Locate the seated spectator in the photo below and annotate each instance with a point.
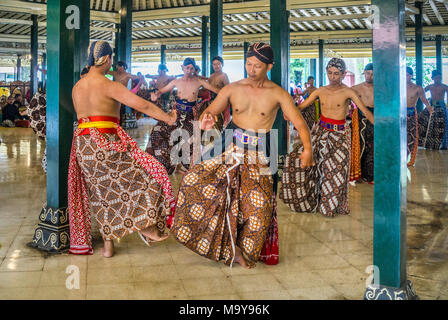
(12, 117)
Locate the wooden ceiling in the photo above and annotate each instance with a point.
(177, 23)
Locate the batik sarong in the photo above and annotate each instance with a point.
(366, 146)
(355, 153)
(412, 134)
(431, 127)
(126, 189)
(323, 187)
(161, 143)
(37, 110)
(229, 200)
(445, 135)
(311, 114)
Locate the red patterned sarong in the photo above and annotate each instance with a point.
(111, 152)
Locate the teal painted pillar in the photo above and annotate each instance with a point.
(163, 54)
(68, 26)
(321, 63)
(439, 55)
(280, 71)
(128, 119)
(125, 34)
(419, 49)
(205, 49)
(44, 67)
(246, 46)
(19, 68)
(216, 12)
(116, 39)
(312, 71)
(34, 56)
(389, 233)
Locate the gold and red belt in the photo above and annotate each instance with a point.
(104, 124)
(331, 124)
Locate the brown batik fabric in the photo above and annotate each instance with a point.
(123, 196)
(431, 128)
(323, 187)
(309, 115)
(37, 110)
(160, 144)
(412, 135)
(214, 191)
(366, 148)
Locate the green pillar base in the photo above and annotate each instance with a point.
(388, 293)
(52, 233)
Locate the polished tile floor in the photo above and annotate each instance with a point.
(320, 258)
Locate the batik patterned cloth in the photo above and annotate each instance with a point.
(126, 189)
(445, 135)
(355, 154)
(229, 200)
(366, 146)
(431, 128)
(160, 144)
(309, 115)
(412, 134)
(323, 187)
(37, 110)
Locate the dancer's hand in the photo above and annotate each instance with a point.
(173, 118)
(208, 121)
(306, 158)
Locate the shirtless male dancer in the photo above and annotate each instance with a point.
(219, 79)
(160, 144)
(362, 130)
(126, 189)
(309, 113)
(162, 80)
(434, 135)
(226, 206)
(324, 187)
(413, 93)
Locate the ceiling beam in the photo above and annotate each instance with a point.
(41, 9)
(436, 12)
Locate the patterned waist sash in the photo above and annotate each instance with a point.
(411, 111)
(185, 106)
(78, 200)
(331, 124)
(246, 138)
(102, 123)
(438, 103)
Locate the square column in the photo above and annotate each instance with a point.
(68, 29)
(216, 12)
(389, 233)
(280, 71)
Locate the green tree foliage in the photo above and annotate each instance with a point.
(427, 69)
(298, 70)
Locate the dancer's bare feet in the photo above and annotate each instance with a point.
(239, 258)
(153, 234)
(108, 250)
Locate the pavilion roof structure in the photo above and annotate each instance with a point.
(344, 25)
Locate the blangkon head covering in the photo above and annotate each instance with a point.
(262, 52)
(337, 63)
(98, 52)
(163, 67)
(368, 66)
(189, 61)
(435, 73)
